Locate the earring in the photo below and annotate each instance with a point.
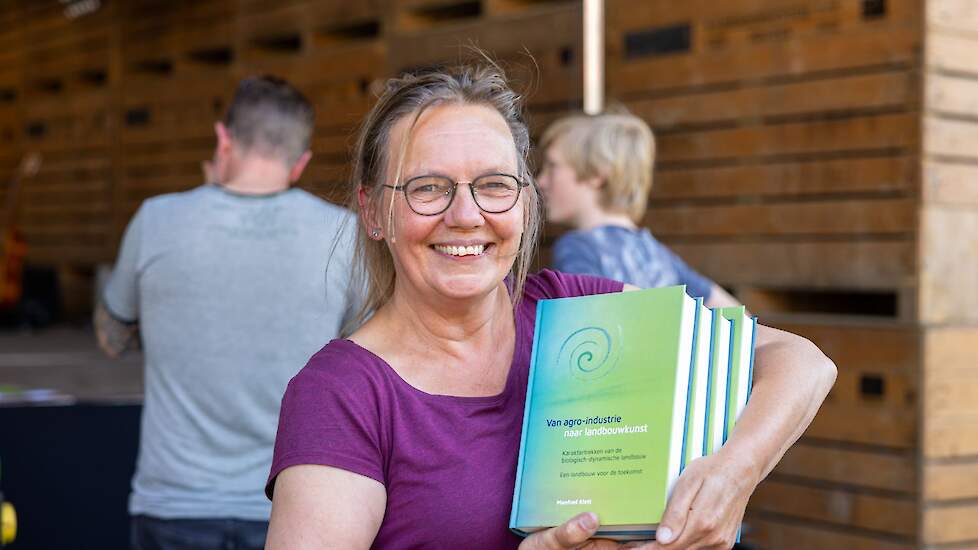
(375, 234)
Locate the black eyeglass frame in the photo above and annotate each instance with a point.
(520, 184)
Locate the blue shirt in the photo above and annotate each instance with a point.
(631, 256)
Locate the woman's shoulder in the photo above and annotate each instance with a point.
(340, 365)
(547, 284)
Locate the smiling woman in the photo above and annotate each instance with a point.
(406, 434)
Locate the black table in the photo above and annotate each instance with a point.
(67, 471)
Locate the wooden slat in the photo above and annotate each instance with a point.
(950, 371)
(894, 46)
(944, 481)
(508, 38)
(951, 94)
(770, 534)
(850, 414)
(950, 416)
(885, 514)
(851, 467)
(167, 154)
(86, 253)
(332, 144)
(168, 132)
(834, 177)
(143, 21)
(944, 137)
(950, 391)
(950, 523)
(950, 52)
(947, 266)
(952, 14)
(950, 184)
(754, 15)
(877, 217)
(865, 423)
(798, 138)
(859, 93)
(897, 346)
(854, 265)
(951, 435)
(50, 234)
(308, 12)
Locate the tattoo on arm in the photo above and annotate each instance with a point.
(114, 336)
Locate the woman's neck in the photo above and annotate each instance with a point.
(451, 326)
(461, 350)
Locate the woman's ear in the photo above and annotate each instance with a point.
(368, 211)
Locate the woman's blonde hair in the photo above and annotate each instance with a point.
(616, 147)
(411, 95)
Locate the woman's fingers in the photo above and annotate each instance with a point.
(570, 534)
(675, 517)
(711, 517)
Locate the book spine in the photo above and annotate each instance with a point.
(681, 389)
(730, 381)
(689, 384)
(753, 342)
(514, 515)
(709, 384)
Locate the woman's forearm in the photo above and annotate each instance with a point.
(791, 379)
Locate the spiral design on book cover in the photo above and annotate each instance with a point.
(590, 352)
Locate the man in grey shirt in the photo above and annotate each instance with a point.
(232, 286)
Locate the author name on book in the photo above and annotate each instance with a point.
(573, 501)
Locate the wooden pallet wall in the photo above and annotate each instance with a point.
(66, 114)
(948, 259)
(11, 93)
(817, 157)
(122, 101)
(788, 135)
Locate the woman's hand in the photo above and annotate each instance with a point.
(704, 512)
(707, 505)
(572, 534)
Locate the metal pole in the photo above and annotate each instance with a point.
(593, 56)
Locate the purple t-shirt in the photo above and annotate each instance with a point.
(448, 463)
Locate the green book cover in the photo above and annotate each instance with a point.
(699, 378)
(741, 364)
(604, 423)
(717, 384)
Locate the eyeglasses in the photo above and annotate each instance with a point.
(432, 195)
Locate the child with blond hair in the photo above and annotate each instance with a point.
(596, 177)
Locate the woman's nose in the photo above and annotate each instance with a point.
(464, 211)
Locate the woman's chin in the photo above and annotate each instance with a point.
(466, 287)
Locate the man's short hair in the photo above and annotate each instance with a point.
(617, 147)
(269, 116)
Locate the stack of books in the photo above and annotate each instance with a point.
(624, 391)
